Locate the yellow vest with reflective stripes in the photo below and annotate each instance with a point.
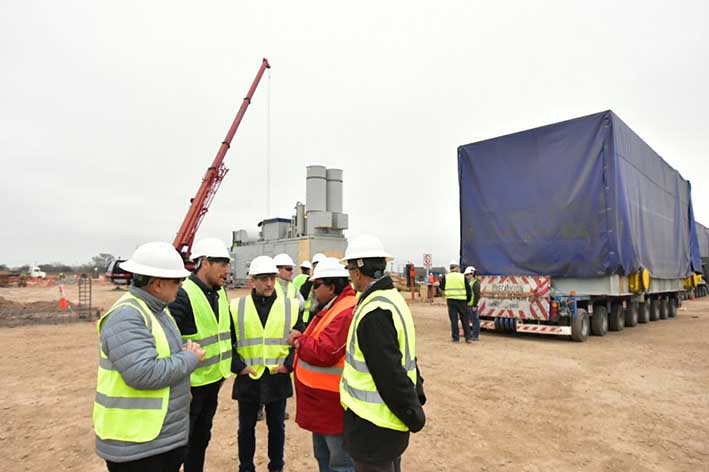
(455, 286)
(299, 280)
(358, 391)
(472, 293)
(263, 347)
(288, 291)
(214, 338)
(121, 412)
(308, 304)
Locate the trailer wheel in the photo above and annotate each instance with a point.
(631, 315)
(654, 309)
(672, 309)
(644, 312)
(616, 321)
(580, 326)
(599, 321)
(664, 308)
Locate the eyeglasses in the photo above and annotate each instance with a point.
(351, 268)
(289, 269)
(317, 284)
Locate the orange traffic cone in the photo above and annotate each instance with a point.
(63, 303)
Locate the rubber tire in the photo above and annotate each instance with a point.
(580, 326)
(644, 312)
(672, 313)
(599, 321)
(654, 309)
(616, 321)
(631, 315)
(664, 308)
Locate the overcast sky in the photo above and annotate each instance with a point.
(110, 112)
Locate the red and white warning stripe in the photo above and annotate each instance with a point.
(532, 328)
(524, 297)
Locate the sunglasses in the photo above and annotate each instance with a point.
(317, 284)
(288, 269)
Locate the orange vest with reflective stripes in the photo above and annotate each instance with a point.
(324, 378)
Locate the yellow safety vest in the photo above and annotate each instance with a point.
(308, 304)
(121, 412)
(357, 388)
(263, 347)
(472, 283)
(288, 290)
(455, 286)
(214, 338)
(299, 280)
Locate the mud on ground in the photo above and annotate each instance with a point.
(634, 400)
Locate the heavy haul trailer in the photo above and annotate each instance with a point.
(577, 227)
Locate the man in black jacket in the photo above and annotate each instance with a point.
(383, 393)
(258, 382)
(201, 311)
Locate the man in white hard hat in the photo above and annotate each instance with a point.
(471, 275)
(263, 322)
(304, 275)
(201, 311)
(141, 410)
(458, 294)
(311, 303)
(320, 357)
(285, 285)
(381, 387)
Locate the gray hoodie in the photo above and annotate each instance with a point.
(130, 347)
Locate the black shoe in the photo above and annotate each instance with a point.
(468, 341)
(455, 340)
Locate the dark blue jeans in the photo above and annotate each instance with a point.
(202, 409)
(330, 454)
(275, 420)
(459, 309)
(475, 317)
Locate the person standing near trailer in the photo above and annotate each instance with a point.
(458, 293)
(471, 275)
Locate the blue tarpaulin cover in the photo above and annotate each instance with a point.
(581, 198)
(703, 239)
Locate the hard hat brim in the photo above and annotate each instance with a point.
(141, 269)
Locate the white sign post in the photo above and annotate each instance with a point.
(427, 263)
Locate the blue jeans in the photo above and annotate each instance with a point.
(475, 318)
(275, 419)
(330, 454)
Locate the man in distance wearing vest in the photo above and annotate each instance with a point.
(304, 275)
(471, 275)
(285, 266)
(141, 411)
(201, 311)
(381, 388)
(306, 290)
(263, 322)
(320, 357)
(458, 294)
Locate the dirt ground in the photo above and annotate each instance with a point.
(635, 400)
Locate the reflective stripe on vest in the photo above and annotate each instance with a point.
(357, 388)
(455, 286)
(472, 293)
(121, 412)
(323, 378)
(213, 337)
(263, 347)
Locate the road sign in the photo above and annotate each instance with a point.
(427, 261)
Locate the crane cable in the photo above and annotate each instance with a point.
(268, 145)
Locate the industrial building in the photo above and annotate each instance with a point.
(317, 226)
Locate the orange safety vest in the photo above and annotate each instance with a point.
(323, 378)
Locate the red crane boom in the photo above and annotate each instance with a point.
(199, 205)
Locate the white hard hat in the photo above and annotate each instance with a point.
(262, 265)
(306, 265)
(156, 259)
(210, 247)
(317, 258)
(453, 262)
(469, 270)
(366, 246)
(283, 259)
(330, 267)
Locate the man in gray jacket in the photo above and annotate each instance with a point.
(141, 411)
